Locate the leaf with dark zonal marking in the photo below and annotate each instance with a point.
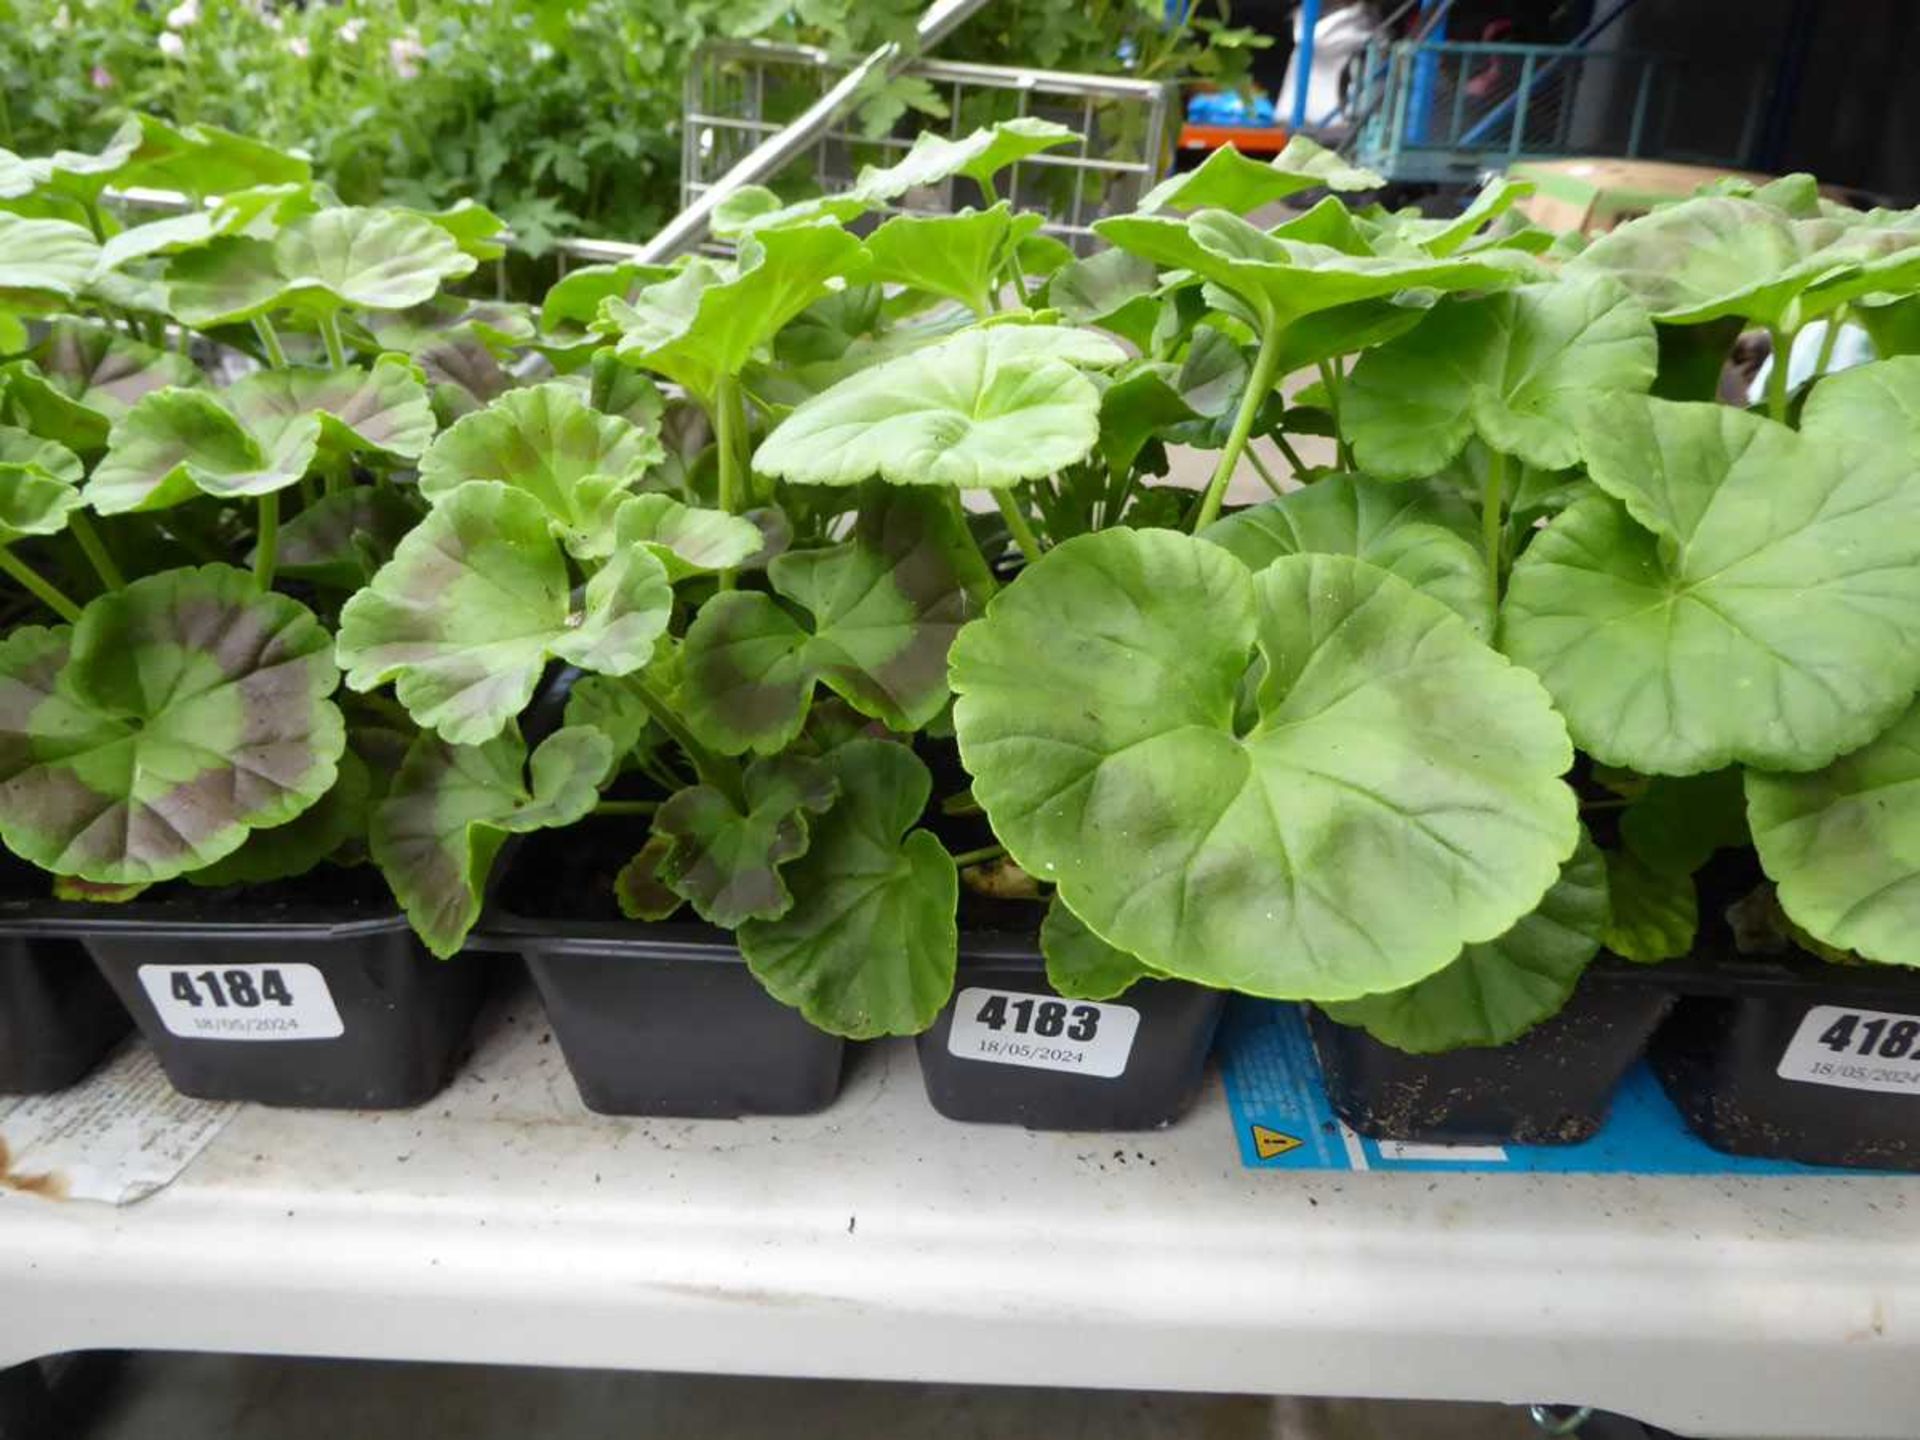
(685, 539)
(337, 819)
(727, 861)
(1080, 965)
(83, 377)
(342, 539)
(885, 606)
(477, 599)
(383, 412)
(452, 807)
(637, 887)
(177, 716)
(870, 944)
(177, 444)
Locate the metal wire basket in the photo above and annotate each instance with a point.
(740, 92)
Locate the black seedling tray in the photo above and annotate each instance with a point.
(1552, 1086)
(310, 993)
(1007, 1050)
(654, 1019)
(58, 1017)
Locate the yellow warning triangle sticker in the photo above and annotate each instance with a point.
(1269, 1143)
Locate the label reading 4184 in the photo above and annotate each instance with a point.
(243, 1002)
(1041, 1032)
(1855, 1050)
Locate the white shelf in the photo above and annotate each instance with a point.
(504, 1224)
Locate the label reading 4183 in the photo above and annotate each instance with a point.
(1856, 1050)
(243, 1002)
(1005, 1027)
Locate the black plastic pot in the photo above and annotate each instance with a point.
(1806, 1062)
(1007, 1050)
(58, 1017)
(309, 993)
(660, 1019)
(1552, 1086)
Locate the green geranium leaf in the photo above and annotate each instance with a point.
(621, 391)
(755, 207)
(471, 226)
(986, 409)
(1741, 593)
(1450, 236)
(1498, 990)
(383, 412)
(346, 257)
(1279, 278)
(870, 944)
(611, 705)
(579, 464)
(1843, 845)
(336, 820)
(49, 457)
(33, 502)
(686, 540)
(437, 833)
(1655, 912)
(1111, 289)
(637, 886)
(477, 599)
(342, 539)
(1676, 824)
(1516, 368)
(1411, 531)
(196, 159)
(708, 321)
(83, 377)
(1718, 256)
(574, 300)
(1080, 965)
(725, 860)
(44, 264)
(885, 606)
(178, 715)
(1138, 407)
(1393, 795)
(957, 257)
(979, 156)
(177, 444)
(1228, 180)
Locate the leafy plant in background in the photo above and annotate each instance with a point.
(774, 545)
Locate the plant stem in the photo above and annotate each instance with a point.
(94, 222)
(330, 337)
(1491, 518)
(1828, 341)
(717, 770)
(1293, 457)
(1259, 386)
(1777, 374)
(626, 807)
(725, 419)
(1333, 380)
(386, 709)
(1265, 474)
(960, 518)
(270, 342)
(980, 856)
(42, 589)
(266, 545)
(96, 551)
(1016, 519)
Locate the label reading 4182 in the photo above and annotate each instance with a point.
(1855, 1050)
(1005, 1027)
(243, 1002)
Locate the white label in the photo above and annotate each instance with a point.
(243, 1002)
(1856, 1050)
(1079, 1037)
(1410, 1150)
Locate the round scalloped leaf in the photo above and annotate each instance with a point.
(1296, 271)
(477, 599)
(49, 457)
(343, 539)
(33, 502)
(637, 888)
(44, 264)
(338, 819)
(1515, 368)
(1411, 531)
(979, 156)
(704, 325)
(685, 539)
(957, 257)
(725, 860)
(1843, 845)
(885, 606)
(176, 444)
(1080, 965)
(579, 464)
(385, 411)
(1764, 609)
(1655, 913)
(83, 377)
(1498, 990)
(438, 831)
(175, 717)
(346, 257)
(1228, 180)
(1392, 794)
(870, 945)
(986, 409)
(755, 207)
